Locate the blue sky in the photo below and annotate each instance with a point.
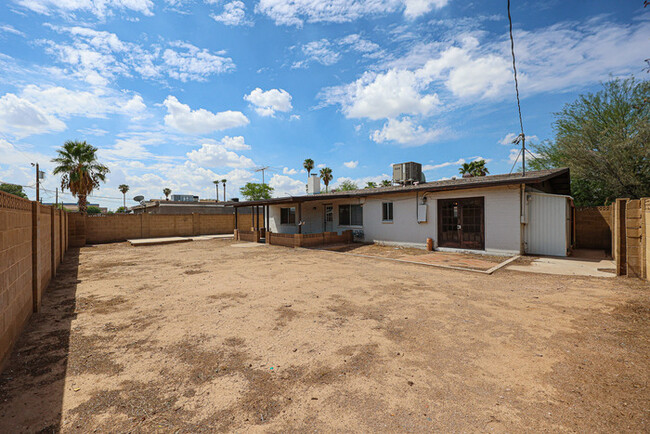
(177, 93)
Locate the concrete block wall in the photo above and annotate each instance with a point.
(594, 228)
(308, 240)
(630, 241)
(634, 238)
(28, 261)
(117, 228)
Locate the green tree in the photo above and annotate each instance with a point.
(371, 184)
(386, 183)
(121, 209)
(604, 138)
(479, 168)
(256, 191)
(326, 176)
(474, 168)
(93, 210)
(167, 192)
(308, 164)
(80, 171)
(16, 190)
(124, 189)
(347, 185)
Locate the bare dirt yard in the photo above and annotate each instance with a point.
(209, 336)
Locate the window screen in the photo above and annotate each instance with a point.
(287, 216)
(350, 215)
(387, 211)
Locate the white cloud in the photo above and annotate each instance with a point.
(351, 164)
(470, 68)
(65, 102)
(235, 143)
(8, 28)
(428, 167)
(387, 95)
(287, 171)
(510, 137)
(211, 155)
(318, 51)
(99, 8)
(284, 185)
(296, 12)
(415, 8)
(200, 121)
(405, 132)
(99, 56)
(360, 182)
(321, 165)
(23, 118)
(268, 102)
(234, 14)
(194, 63)
(357, 43)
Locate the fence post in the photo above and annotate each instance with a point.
(52, 244)
(35, 300)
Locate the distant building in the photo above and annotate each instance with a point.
(184, 198)
(74, 207)
(183, 207)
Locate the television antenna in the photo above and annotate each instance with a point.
(139, 198)
(263, 169)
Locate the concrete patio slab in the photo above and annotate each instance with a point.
(568, 267)
(172, 240)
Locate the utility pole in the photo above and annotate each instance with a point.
(523, 153)
(56, 201)
(38, 173)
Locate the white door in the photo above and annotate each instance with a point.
(329, 218)
(548, 224)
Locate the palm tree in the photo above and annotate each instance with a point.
(386, 183)
(371, 184)
(167, 192)
(223, 181)
(216, 188)
(308, 164)
(124, 189)
(480, 169)
(80, 171)
(326, 176)
(467, 169)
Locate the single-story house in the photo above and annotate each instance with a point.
(182, 207)
(497, 214)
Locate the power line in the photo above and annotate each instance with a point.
(522, 136)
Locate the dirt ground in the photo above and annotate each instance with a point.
(210, 336)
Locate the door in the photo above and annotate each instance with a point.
(461, 223)
(328, 224)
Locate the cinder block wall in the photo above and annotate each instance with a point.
(33, 240)
(646, 237)
(594, 228)
(116, 228)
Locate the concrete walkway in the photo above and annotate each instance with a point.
(583, 263)
(172, 240)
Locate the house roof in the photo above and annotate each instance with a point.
(532, 177)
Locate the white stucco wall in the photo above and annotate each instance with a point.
(502, 228)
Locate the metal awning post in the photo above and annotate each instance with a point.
(300, 217)
(252, 217)
(236, 217)
(257, 210)
(266, 212)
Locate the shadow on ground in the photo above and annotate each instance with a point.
(33, 381)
